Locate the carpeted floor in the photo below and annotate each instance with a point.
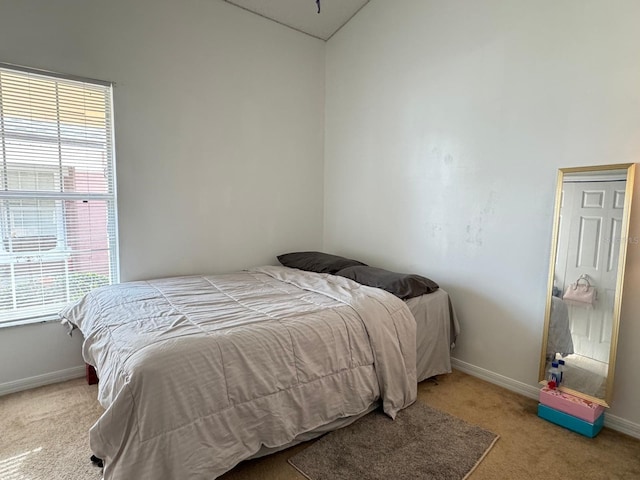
(43, 433)
(43, 436)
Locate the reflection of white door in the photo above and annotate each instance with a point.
(589, 243)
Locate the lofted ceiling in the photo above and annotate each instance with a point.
(302, 15)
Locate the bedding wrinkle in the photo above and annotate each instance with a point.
(217, 367)
(224, 375)
(386, 342)
(411, 352)
(309, 300)
(351, 359)
(249, 401)
(304, 298)
(176, 310)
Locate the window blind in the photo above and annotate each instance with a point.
(58, 237)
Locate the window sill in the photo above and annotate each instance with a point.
(30, 321)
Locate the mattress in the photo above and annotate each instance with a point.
(436, 333)
(199, 373)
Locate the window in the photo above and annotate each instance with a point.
(57, 192)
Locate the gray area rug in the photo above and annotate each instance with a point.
(422, 443)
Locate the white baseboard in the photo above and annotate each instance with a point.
(621, 425)
(610, 421)
(40, 380)
(495, 378)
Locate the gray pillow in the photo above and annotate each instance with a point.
(317, 262)
(402, 285)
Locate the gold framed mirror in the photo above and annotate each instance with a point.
(586, 277)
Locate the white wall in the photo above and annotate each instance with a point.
(219, 137)
(446, 123)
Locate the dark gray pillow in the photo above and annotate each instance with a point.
(317, 262)
(400, 284)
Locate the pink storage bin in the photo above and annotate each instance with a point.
(570, 404)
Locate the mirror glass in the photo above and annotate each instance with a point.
(586, 275)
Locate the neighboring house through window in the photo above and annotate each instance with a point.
(57, 192)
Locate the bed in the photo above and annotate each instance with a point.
(199, 373)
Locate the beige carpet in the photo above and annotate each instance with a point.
(43, 436)
(43, 433)
(422, 443)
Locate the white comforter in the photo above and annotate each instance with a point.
(198, 373)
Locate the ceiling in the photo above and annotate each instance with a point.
(302, 15)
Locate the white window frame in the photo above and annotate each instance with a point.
(61, 252)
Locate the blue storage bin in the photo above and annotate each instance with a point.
(569, 421)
